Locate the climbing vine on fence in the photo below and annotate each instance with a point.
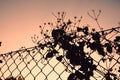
(74, 40)
(76, 47)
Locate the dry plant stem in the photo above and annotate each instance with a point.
(94, 17)
(99, 25)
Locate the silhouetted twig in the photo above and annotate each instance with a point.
(72, 45)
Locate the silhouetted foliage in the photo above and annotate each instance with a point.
(20, 78)
(13, 78)
(0, 43)
(59, 58)
(73, 42)
(117, 39)
(10, 78)
(1, 61)
(72, 45)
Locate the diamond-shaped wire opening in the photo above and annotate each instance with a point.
(64, 75)
(95, 56)
(35, 71)
(30, 77)
(96, 77)
(25, 72)
(21, 66)
(40, 64)
(53, 61)
(47, 69)
(59, 68)
(10, 61)
(37, 56)
(31, 64)
(14, 55)
(16, 72)
(12, 67)
(4, 68)
(18, 61)
(52, 76)
(40, 76)
(7, 74)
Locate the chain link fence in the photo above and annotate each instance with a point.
(31, 63)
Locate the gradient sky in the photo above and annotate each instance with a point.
(20, 19)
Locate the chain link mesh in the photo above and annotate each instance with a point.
(30, 64)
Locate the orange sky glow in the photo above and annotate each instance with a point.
(20, 19)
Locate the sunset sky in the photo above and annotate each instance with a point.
(20, 19)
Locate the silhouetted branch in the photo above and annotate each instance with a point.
(75, 47)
